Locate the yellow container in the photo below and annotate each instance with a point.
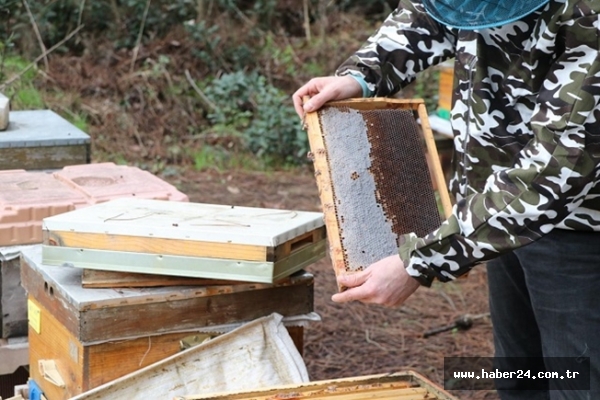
(445, 89)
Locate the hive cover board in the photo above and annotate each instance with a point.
(186, 239)
(42, 139)
(29, 196)
(379, 177)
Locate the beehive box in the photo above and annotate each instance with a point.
(29, 196)
(257, 354)
(399, 386)
(98, 335)
(42, 139)
(379, 176)
(186, 239)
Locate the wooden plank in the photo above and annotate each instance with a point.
(93, 278)
(359, 393)
(403, 385)
(180, 247)
(323, 178)
(378, 103)
(45, 157)
(259, 353)
(108, 361)
(158, 318)
(138, 244)
(435, 167)
(96, 315)
(195, 267)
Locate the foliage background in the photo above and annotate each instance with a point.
(164, 84)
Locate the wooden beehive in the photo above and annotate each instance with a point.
(379, 176)
(98, 335)
(186, 239)
(42, 139)
(399, 386)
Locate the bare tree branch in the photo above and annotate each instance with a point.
(136, 49)
(208, 105)
(306, 20)
(37, 33)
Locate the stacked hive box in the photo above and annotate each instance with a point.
(96, 335)
(29, 196)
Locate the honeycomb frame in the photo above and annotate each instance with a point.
(360, 148)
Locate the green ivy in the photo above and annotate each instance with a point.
(263, 115)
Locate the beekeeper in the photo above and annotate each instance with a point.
(525, 119)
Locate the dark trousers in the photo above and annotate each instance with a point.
(545, 303)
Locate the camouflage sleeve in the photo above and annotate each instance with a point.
(408, 42)
(553, 174)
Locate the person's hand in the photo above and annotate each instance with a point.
(385, 282)
(322, 90)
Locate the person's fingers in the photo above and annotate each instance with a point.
(324, 89)
(317, 101)
(298, 99)
(353, 294)
(354, 283)
(338, 88)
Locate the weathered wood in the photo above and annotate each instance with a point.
(42, 139)
(84, 367)
(259, 353)
(13, 300)
(96, 315)
(48, 157)
(55, 342)
(93, 278)
(402, 386)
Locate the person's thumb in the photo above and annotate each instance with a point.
(353, 279)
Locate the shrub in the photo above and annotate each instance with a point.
(262, 114)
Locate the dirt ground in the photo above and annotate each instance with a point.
(356, 339)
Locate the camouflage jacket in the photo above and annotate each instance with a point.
(525, 122)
